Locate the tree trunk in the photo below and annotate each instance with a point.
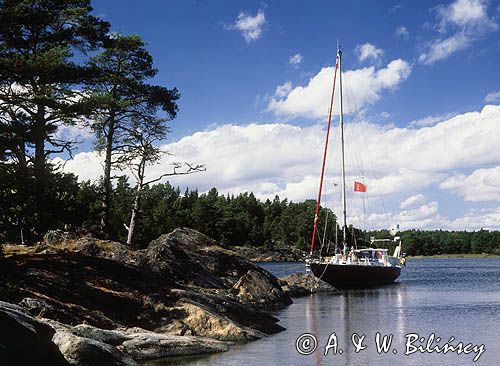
(134, 215)
(137, 201)
(39, 136)
(39, 141)
(107, 188)
(20, 153)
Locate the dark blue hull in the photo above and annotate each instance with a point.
(350, 276)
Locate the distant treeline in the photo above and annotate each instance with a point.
(432, 242)
(231, 220)
(62, 68)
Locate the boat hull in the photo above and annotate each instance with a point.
(350, 276)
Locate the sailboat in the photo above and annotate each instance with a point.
(352, 267)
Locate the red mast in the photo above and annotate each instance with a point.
(318, 201)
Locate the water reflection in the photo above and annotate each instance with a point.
(459, 298)
(313, 320)
(357, 311)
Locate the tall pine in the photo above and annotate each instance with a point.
(123, 98)
(39, 82)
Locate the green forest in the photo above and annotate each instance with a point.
(61, 66)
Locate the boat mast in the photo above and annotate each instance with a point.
(318, 200)
(339, 56)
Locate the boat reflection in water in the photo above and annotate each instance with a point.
(445, 297)
(357, 312)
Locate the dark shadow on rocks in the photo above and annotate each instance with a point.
(26, 341)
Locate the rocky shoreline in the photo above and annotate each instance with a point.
(260, 254)
(81, 300)
(298, 285)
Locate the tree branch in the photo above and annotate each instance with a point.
(191, 170)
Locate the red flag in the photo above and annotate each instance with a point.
(359, 187)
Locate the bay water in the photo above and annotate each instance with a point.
(435, 302)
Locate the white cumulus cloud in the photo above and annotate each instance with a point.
(402, 32)
(365, 85)
(86, 165)
(474, 219)
(283, 159)
(481, 185)
(404, 180)
(419, 213)
(442, 48)
(283, 90)
(459, 24)
(296, 60)
(427, 217)
(368, 51)
(493, 97)
(250, 26)
(412, 201)
(77, 132)
(463, 13)
(431, 120)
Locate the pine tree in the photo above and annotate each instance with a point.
(121, 96)
(39, 80)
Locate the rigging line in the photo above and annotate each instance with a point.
(377, 188)
(320, 277)
(353, 141)
(355, 132)
(354, 238)
(320, 239)
(336, 237)
(300, 265)
(370, 222)
(318, 201)
(344, 208)
(356, 151)
(324, 232)
(322, 242)
(329, 205)
(372, 167)
(338, 197)
(364, 210)
(355, 126)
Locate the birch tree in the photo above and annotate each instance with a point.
(140, 152)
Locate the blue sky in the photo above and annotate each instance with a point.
(252, 76)
(221, 76)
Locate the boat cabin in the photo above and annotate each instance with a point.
(369, 256)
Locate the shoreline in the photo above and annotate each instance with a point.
(453, 256)
(183, 294)
(284, 255)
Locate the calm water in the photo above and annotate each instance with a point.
(448, 297)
